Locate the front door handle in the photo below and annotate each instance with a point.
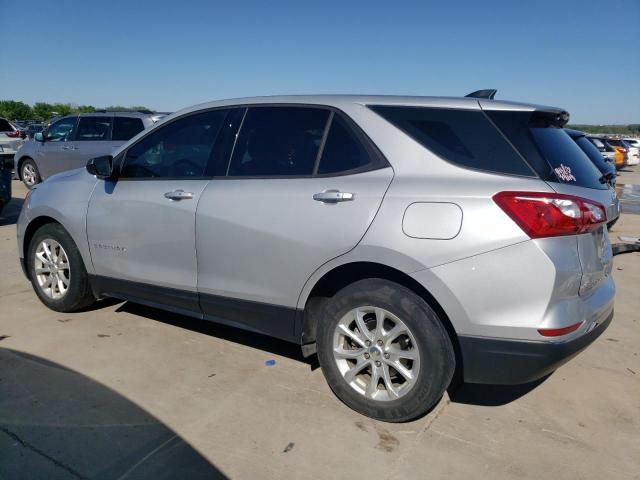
(333, 196)
(178, 195)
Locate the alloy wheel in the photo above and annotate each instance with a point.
(52, 269)
(29, 174)
(376, 353)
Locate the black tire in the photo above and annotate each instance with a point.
(36, 179)
(437, 358)
(79, 294)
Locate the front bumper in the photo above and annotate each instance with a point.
(512, 362)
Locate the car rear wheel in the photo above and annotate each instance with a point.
(384, 351)
(57, 271)
(29, 173)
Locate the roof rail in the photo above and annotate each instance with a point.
(488, 93)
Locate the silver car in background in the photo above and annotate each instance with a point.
(403, 239)
(10, 141)
(71, 141)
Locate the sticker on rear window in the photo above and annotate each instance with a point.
(564, 173)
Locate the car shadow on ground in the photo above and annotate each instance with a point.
(57, 423)
(11, 212)
(231, 334)
(473, 394)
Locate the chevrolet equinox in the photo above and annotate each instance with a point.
(403, 239)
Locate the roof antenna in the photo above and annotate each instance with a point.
(488, 93)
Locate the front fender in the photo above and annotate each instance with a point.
(64, 199)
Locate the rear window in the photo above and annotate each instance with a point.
(5, 126)
(125, 128)
(464, 137)
(548, 148)
(592, 152)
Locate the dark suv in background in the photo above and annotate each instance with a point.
(71, 141)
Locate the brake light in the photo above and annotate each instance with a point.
(15, 134)
(542, 214)
(558, 332)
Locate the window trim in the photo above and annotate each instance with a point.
(534, 173)
(122, 156)
(378, 160)
(109, 132)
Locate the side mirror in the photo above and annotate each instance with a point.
(39, 137)
(101, 167)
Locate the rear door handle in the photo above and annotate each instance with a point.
(178, 195)
(333, 196)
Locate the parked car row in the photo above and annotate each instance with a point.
(621, 152)
(403, 239)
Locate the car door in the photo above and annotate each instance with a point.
(141, 227)
(52, 154)
(302, 187)
(92, 139)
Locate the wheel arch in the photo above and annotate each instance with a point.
(30, 231)
(341, 276)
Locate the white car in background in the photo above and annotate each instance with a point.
(634, 150)
(10, 141)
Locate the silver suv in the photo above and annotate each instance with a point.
(71, 141)
(403, 239)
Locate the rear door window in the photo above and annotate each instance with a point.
(93, 128)
(342, 151)
(463, 137)
(125, 128)
(278, 141)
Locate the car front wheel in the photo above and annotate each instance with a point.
(57, 271)
(29, 173)
(384, 351)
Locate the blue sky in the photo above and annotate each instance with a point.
(583, 55)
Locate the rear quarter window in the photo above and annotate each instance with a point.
(463, 137)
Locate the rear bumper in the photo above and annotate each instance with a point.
(512, 362)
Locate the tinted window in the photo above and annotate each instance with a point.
(61, 130)
(5, 126)
(342, 151)
(547, 147)
(279, 141)
(569, 162)
(180, 149)
(125, 128)
(463, 137)
(93, 128)
(592, 152)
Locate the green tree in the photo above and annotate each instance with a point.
(61, 109)
(84, 109)
(42, 111)
(13, 110)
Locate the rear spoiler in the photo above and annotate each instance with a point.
(488, 93)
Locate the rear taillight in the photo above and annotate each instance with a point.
(551, 214)
(15, 134)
